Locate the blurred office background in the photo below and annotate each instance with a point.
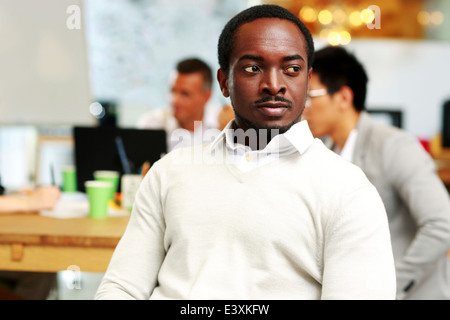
(58, 57)
(61, 59)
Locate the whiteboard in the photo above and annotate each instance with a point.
(43, 64)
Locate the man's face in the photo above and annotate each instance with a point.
(323, 113)
(188, 97)
(268, 75)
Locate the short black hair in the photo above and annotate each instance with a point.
(336, 67)
(196, 65)
(226, 39)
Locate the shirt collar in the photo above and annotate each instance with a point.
(299, 136)
(349, 146)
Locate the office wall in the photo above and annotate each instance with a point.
(125, 51)
(135, 45)
(43, 65)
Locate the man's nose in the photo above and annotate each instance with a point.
(273, 82)
(175, 98)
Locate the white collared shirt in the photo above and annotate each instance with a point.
(178, 137)
(297, 139)
(349, 146)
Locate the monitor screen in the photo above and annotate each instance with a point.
(387, 116)
(446, 125)
(112, 148)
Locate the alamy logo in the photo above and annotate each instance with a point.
(374, 23)
(73, 21)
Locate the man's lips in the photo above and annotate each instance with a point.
(274, 104)
(273, 109)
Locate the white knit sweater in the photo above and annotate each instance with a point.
(306, 226)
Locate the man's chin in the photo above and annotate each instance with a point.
(277, 126)
(274, 127)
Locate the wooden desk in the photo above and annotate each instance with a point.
(38, 243)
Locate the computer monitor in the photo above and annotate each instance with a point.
(387, 116)
(112, 148)
(446, 125)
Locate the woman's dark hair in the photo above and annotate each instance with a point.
(226, 39)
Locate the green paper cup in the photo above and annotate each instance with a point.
(69, 174)
(109, 176)
(99, 193)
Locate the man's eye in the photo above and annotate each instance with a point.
(251, 69)
(293, 69)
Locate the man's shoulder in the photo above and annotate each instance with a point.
(199, 154)
(379, 133)
(392, 142)
(321, 151)
(329, 163)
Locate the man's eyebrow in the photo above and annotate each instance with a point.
(251, 57)
(293, 57)
(260, 58)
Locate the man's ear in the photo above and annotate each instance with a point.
(308, 79)
(223, 83)
(310, 72)
(346, 94)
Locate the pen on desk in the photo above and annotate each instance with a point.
(122, 155)
(409, 286)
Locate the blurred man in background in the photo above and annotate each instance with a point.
(416, 200)
(188, 117)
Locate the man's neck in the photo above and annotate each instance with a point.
(190, 124)
(256, 139)
(344, 128)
